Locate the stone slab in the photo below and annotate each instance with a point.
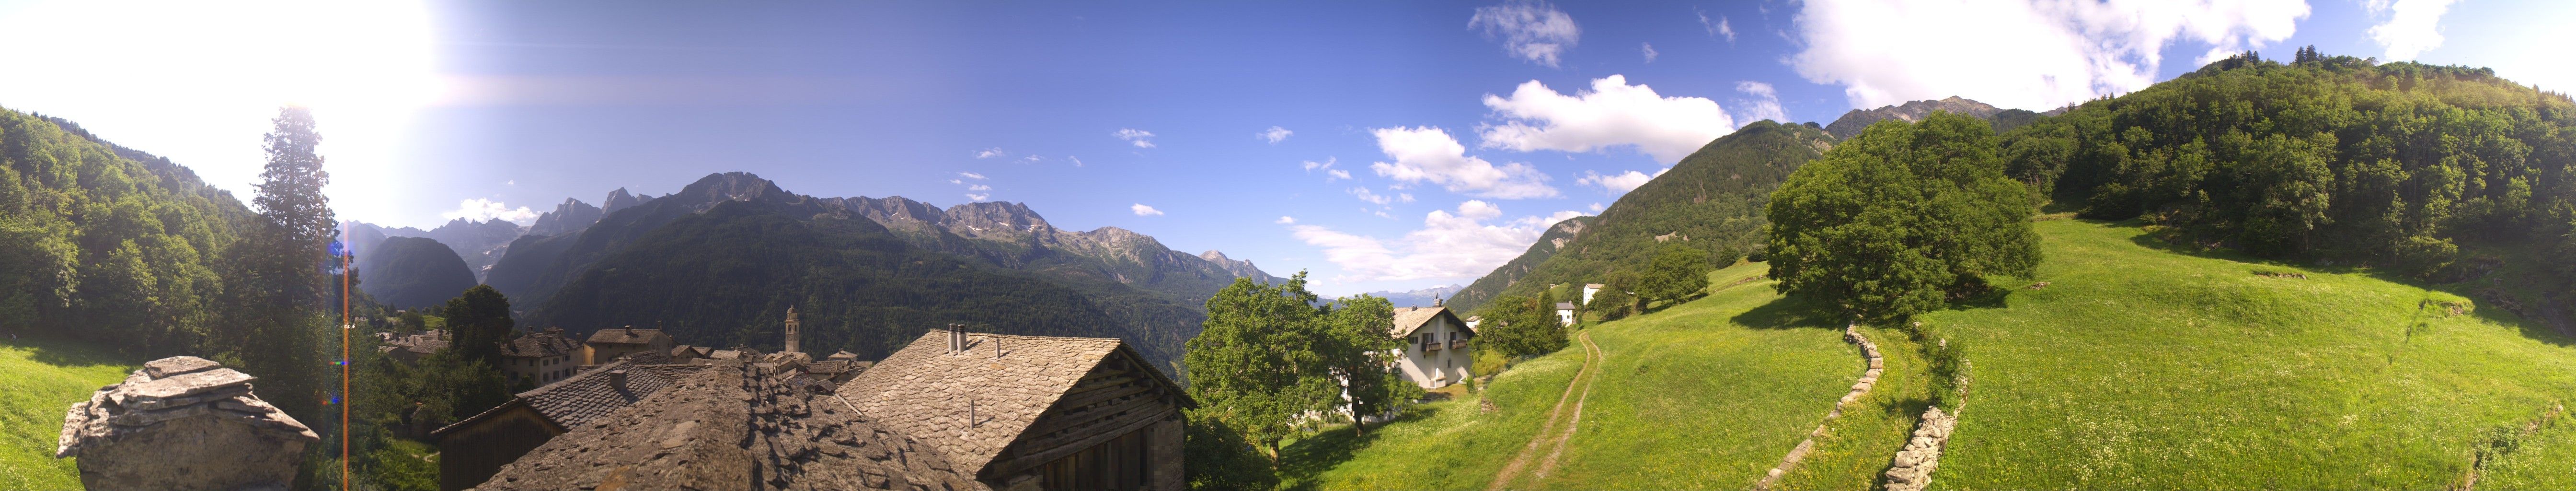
(183, 385)
(178, 365)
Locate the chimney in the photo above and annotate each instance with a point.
(617, 379)
(956, 339)
(1436, 301)
(630, 330)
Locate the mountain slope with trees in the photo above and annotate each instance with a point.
(413, 272)
(728, 275)
(2433, 172)
(1711, 201)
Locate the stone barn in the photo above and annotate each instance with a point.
(1032, 412)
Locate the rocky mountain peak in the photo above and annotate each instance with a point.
(732, 186)
(1853, 122)
(996, 218)
(571, 216)
(620, 199)
(1237, 267)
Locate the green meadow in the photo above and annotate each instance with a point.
(39, 380)
(2140, 368)
(2137, 367)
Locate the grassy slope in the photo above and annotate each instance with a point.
(1855, 448)
(38, 381)
(2143, 369)
(1690, 396)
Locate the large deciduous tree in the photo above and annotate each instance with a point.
(1261, 365)
(479, 321)
(1362, 351)
(1677, 272)
(1894, 221)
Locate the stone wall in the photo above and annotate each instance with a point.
(1912, 469)
(182, 423)
(1868, 378)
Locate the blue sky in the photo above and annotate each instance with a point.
(1415, 143)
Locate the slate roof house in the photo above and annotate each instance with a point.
(608, 344)
(951, 410)
(539, 358)
(1436, 352)
(1565, 313)
(472, 449)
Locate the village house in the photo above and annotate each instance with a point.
(1588, 290)
(1565, 313)
(472, 449)
(540, 358)
(1436, 351)
(951, 410)
(686, 353)
(608, 344)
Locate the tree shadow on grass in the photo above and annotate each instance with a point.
(1301, 464)
(1791, 312)
(2540, 317)
(64, 353)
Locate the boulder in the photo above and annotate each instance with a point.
(182, 423)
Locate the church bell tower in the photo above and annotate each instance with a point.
(791, 331)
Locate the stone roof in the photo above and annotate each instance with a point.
(924, 391)
(1595, 286)
(590, 394)
(627, 336)
(693, 351)
(836, 366)
(424, 346)
(725, 354)
(1408, 319)
(733, 426)
(539, 345)
(1565, 305)
(182, 422)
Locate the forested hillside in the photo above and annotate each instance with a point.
(110, 245)
(2435, 172)
(413, 272)
(1712, 201)
(1492, 284)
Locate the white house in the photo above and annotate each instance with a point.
(1435, 353)
(1565, 313)
(1588, 290)
(1473, 320)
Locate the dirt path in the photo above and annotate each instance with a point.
(1582, 378)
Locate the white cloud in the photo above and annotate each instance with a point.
(1285, 220)
(1032, 159)
(1616, 184)
(1337, 174)
(1428, 154)
(2413, 26)
(479, 209)
(1596, 207)
(979, 197)
(1717, 29)
(1135, 136)
(1613, 113)
(1274, 134)
(1330, 174)
(980, 187)
(1144, 211)
(1765, 103)
(1077, 162)
(1529, 29)
(1649, 49)
(1373, 198)
(2027, 54)
(954, 181)
(1465, 244)
(989, 153)
(971, 175)
(1404, 197)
